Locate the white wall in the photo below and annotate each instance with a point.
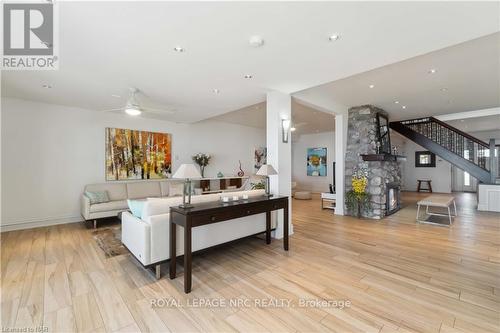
(487, 135)
(440, 175)
(299, 161)
(49, 152)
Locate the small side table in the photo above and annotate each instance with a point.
(424, 189)
(330, 198)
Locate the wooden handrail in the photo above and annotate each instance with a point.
(451, 128)
(468, 136)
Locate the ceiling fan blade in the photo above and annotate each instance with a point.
(111, 110)
(157, 111)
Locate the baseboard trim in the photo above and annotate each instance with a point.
(37, 222)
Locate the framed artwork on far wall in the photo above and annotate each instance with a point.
(260, 157)
(134, 154)
(425, 159)
(316, 162)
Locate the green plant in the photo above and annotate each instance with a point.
(357, 202)
(202, 160)
(258, 186)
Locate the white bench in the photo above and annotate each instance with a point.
(439, 201)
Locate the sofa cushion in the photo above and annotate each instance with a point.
(175, 189)
(97, 196)
(157, 206)
(164, 186)
(144, 189)
(116, 191)
(109, 206)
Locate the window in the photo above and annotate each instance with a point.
(466, 179)
(425, 159)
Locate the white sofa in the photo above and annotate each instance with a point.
(118, 193)
(147, 237)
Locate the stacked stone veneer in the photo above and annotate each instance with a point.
(362, 139)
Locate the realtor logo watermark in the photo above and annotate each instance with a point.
(30, 36)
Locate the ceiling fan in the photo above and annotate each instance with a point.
(134, 108)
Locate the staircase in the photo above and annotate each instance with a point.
(451, 144)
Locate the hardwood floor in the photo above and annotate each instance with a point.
(399, 276)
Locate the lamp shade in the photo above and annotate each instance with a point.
(187, 171)
(266, 170)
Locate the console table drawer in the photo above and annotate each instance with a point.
(198, 220)
(215, 217)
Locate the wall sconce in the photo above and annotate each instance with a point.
(285, 126)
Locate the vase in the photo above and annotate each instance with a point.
(359, 209)
(202, 171)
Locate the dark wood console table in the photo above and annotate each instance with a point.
(214, 212)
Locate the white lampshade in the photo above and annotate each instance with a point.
(187, 171)
(266, 170)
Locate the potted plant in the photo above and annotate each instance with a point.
(202, 160)
(357, 199)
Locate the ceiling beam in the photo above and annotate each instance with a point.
(469, 114)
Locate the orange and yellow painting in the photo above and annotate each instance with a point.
(137, 154)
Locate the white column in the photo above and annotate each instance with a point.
(279, 154)
(340, 149)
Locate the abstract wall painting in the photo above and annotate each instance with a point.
(260, 157)
(134, 154)
(316, 162)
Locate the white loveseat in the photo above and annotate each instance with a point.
(147, 237)
(119, 192)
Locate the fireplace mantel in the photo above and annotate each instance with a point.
(382, 157)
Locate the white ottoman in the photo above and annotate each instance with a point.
(302, 195)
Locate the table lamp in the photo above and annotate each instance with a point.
(186, 172)
(267, 170)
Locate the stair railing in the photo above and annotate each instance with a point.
(453, 139)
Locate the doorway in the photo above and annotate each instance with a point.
(462, 181)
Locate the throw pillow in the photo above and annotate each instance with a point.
(136, 207)
(97, 196)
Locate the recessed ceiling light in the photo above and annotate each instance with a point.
(115, 96)
(403, 106)
(371, 86)
(333, 38)
(248, 76)
(256, 41)
(179, 49)
(292, 129)
(444, 89)
(462, 120)
(47, 86)
(216, 91)
(396, 102)
(432, 71)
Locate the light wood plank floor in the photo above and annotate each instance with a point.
(398, 276)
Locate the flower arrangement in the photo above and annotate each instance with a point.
(358, 199)
(202, 160)
(258, 186)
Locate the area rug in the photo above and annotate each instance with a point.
(109, 240)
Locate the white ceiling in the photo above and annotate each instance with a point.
(467, 78)
(488, 123)
(305, 119)
(106, 47)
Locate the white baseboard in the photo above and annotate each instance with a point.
(37, 222)
(483, 207)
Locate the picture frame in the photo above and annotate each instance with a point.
(425, 159)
